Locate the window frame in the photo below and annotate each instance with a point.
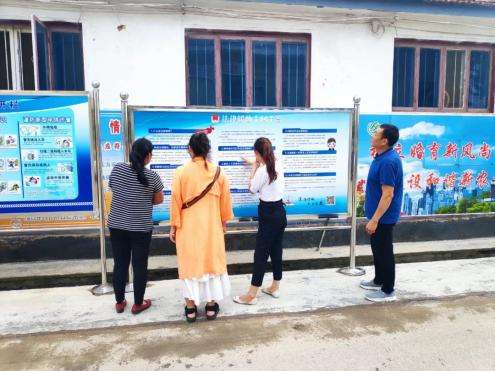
(444, 47)
(17, 27)
(248, 37)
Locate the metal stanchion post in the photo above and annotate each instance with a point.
(127, 135)
(104, 287)
(127, 142)
(352, 270)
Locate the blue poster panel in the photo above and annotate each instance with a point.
(312, 147)
(45, 154)
(448, 161)
(111, 141)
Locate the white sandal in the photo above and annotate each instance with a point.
(238, 300)
(274, 294)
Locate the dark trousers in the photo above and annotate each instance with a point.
(272, 221)
(383, 256)
(127, 244)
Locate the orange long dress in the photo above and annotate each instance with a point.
(200, 239)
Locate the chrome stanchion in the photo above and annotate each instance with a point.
(104, 287)
(127, 142)
(127, 130)
(352, 270)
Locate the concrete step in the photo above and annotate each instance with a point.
(44, 245)
(14, 276)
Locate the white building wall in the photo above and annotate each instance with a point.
(147, 58)
(348, 60)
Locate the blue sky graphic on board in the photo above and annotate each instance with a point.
(445, 157)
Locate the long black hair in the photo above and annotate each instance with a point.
(200, 145)
(141, 148)
(264, 147)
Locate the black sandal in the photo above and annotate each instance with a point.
(212, 308)
(191, 311)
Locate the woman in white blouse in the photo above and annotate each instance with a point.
(267, 180)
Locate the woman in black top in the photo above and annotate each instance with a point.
(135, 189)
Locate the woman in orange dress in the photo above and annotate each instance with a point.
(197, 229)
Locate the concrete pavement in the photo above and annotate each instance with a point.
(74, 308)
(453, 333)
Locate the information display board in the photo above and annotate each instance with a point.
(448, 161)
(45, 154)
(312, 146)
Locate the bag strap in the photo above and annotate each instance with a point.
(188, 204)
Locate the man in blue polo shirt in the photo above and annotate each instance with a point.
(382, 209)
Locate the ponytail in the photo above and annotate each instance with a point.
(141, 148)
(264, 147)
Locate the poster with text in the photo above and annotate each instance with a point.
(448, 161)
(45, 154)
(111, 141)
(311, 146)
